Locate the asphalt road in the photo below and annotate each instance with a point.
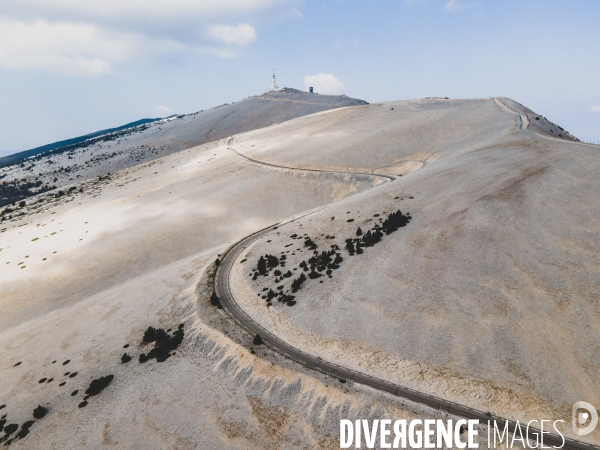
(222, 288)
(263, 163)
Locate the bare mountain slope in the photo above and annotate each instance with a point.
(536, 122)
(488, 297)
(126, 148)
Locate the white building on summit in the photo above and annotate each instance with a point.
(274, 82)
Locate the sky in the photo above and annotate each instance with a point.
(72, 67)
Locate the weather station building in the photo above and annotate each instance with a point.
(274, 86)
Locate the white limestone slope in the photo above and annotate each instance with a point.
(101, 265)
(488, 297)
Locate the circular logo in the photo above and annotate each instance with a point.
(582, 413)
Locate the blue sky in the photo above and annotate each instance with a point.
(69, 67)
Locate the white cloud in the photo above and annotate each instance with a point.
(453, 5)
(142, 11)
(241, 35)
(595, 109)
(324, 83)
(162, 109)
(89, 37)
(73, 48)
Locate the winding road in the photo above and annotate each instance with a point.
(223, 290)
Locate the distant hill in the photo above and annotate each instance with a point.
(55, 165)
(18, 157)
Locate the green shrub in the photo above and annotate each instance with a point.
(272, 261)
(11, 428)
(39, 412)
(350, 246)
(309, 243)
(286, 298)
(262, 266)
(297, 283)
(164, 343)
(24, 431)
(98, 385)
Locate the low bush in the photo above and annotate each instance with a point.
(39, 412)
(297, 283)
(313, 275)
(98, 385)
(350, 246)
(262, 266)
(309, 243)
(163, 343)
(24, 431)
(327, 260)
(272, 261)
(11, 428)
